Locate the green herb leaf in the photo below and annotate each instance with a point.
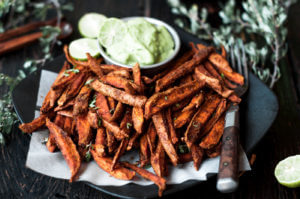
(166, 97)
(128, 125)
(89, 81)
(88, 156)
(183, 148)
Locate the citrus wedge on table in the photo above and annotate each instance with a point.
(287, 171)
(89, 24)
(112, 31)
(79, 47)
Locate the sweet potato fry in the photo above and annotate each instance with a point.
(158, 161)
(185, 157)
(186, 79)
(126, 123)
(212, 121)
(67, 105)
(214, 136)
(51, 143)
(113, 127)
(138, 119)
(81, 103)
(100, 142)
(151, 137)
(102, 107)
(34, 125)
(121, 149)
(111, 141)
(173, 135)
(120, 73)
(183, 118)
(195, 102)
(180, 105)
(119, 172)
(92, 118)
(68, 126)
(94, 66)
(118, 82)
(144, 151)
(67, 112)
(111, 103)
(67, 148)
(163, 134)
(197, 155)
(147, 80)
(199, 119)
(132, 140)
(73, 89)
(109, 68)
(133, 100)
(182, 70)
(136, 71)
(46, 106)
(215, 151)
(118, 112)
(161, 100)
(84, 130)
(223, 52)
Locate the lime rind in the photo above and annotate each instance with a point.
(78, 48)
(89, 24)
(287, 171)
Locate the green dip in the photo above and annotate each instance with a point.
(144, 43)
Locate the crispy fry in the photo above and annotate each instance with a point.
(212, 121)
(197, 155)
(67, 112)
(111, 141)
(133, 100)
(161, 100)
(120, 73)
(136, 71)
(173, 135)
(118, 112)
(126, 123)
(163, 134)
(138, 119)
(160, 182)
(109, 68)
(81, 103)
(112, 127)
(92, 119)
(84, 130)
(181, 104)
(183, 118)
(51, 143)
(223, 52)
(100, 142)
(215, 151)
(118, 82)
(195, 102)
(68, 126)
(158, 161)
(182, 70)
(214, 136)
(111, 103)
(67, 105)
(199, 119)
(144, 151)
(151, 137)
(186, 79)
(67, 148)
(121, 149)
(34, 125)
(119, 172)
(94, 66)
(185, 157)
(132, 141)
(147, 80)
(102, 107)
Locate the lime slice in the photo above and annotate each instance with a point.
(287, 171)
(89, 24)
(112, 32)
(78, 48)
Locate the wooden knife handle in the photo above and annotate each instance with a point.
(228, 168)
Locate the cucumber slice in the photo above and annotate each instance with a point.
(89, 24)
(78, 48)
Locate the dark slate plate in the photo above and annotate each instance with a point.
(258, 111)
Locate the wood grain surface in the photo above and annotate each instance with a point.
(282, 140)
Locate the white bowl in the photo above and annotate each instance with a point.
(148, 69)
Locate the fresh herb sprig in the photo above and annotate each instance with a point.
(258, 22)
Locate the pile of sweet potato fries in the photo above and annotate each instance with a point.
(102, 111)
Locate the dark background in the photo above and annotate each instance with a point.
(282, 140)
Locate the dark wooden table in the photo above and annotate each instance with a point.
(282, 140)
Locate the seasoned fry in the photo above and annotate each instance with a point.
(102, 107)
(109, 68)
(111, 103)
(185, 157)
(187, 79)
(69, 126)
(136, 71)
(118, 82)
(84, 130)
(151, 137)
(180, 105)
(133, 100)
(223, 52)
(197, 155)
(118, 112)
(67, 112)
(214, 136)
(161, 100)
(67, 148)
(120, 73)
(92, 119)
(94, 66)
(173, 135)
(182, 70)
(215, 151)
(119, 172)
(195, 102)
(100, 142)
(34, 125)
(67, 105)
(81, 103)
(163, 134)
(51, 144)
(158, 161)
(132, 140)
(111, 141)
(144, 151)
(112, 127)
(160, 182)
(193, 131)
(138, 119)
(121, 149)
(184, 118)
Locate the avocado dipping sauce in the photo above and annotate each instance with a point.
(143, 42)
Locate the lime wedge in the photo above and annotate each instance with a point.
(89, 24)
(287, 171)
(78, 48)
(112, 31)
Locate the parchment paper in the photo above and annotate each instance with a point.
(42, 161)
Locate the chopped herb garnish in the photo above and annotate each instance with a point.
(99, 122)
(128, 125)
(44, 141)
(88, 156)
(73, 70)
(183, 148)
(66, 74)
(166, 97)
(147, 166)
(175, 118)
(131, 81)
(195, 124)
(89, 81)
(222, 75)
(177, 105)
(92, 104)
(112, 110)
